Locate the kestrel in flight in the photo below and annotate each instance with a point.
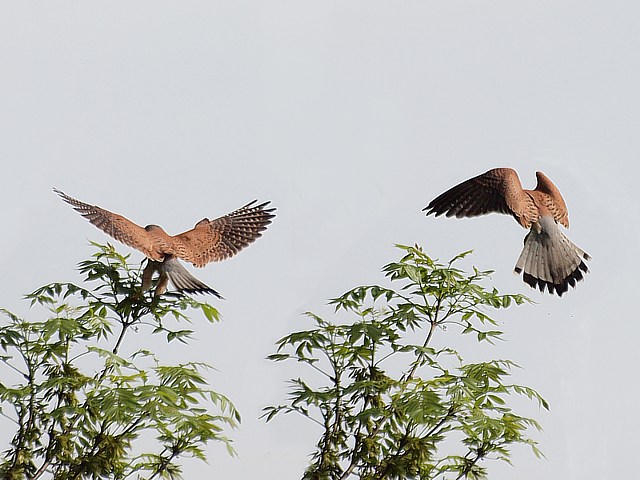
(209, 241)
(549, 259)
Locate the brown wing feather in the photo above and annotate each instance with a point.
(219, 239)
(114, 225)
(498, 190)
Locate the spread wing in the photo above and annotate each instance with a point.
(114, 225)
(498, 190)
(219, 239)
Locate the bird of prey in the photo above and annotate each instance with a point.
(549, 259)
(209, 241)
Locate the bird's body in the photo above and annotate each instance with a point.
(209, 241)
(549, 259)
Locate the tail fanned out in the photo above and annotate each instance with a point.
(549, 259)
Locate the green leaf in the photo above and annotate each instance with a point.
(387, 401)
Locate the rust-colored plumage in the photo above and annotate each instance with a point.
(549, 259)
(209, 241)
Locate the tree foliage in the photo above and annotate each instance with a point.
(391, 404)
(83, 411)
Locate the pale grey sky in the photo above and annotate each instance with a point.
(349, 116)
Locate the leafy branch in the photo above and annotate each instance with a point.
(387, 398)
(79, 406)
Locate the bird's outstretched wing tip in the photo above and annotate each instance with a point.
(263, 206)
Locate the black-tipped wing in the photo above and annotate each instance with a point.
(114, 225)
(219, 239)
(498, 190)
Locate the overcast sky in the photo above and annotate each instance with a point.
(350, 116)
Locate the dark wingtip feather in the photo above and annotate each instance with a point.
(77, 205)
(63, 195)
(261, 207)
(432, 212)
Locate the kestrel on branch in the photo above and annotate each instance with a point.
(209, 241)
(548, 259)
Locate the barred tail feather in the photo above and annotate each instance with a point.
(550, 260)
(182, 280)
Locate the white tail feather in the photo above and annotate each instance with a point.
(171, 269)
(182, 280)
(549, 259)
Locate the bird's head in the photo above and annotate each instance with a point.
(153, 228)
